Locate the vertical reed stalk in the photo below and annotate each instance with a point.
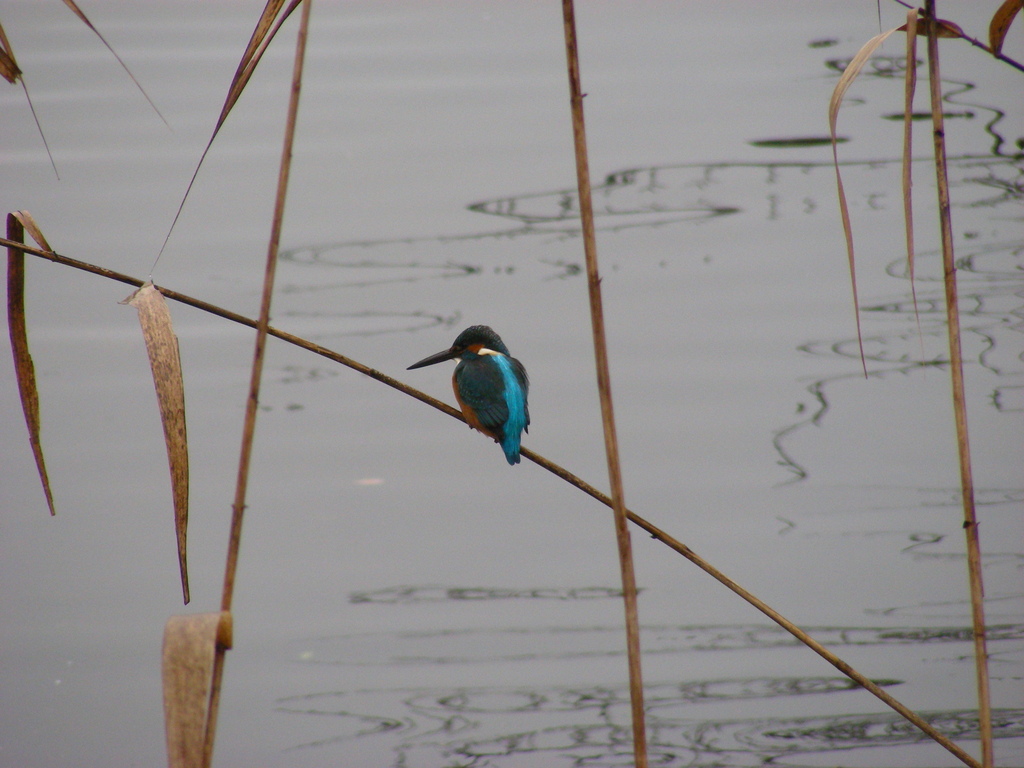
(252, 402)
(959, 401)
(604, 388)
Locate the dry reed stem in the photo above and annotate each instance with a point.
(959, 399)
(604, 386)
(252, 401)
(910, 85)
(165, 363)
(541, 461)
(934, 28)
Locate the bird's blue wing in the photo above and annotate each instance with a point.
(524, 383)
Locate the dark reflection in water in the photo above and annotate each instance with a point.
(326, 324)
(497, 727)
(435, 594)
(797, 142)
(652, 196)
(589, 725)
(988, 272)
(887, 67)
(365, 272)
(925, 116)
(641, 195)
(988, 275)
(879, 65)
(475, 646)
(991, 303)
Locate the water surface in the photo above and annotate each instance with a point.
(406, 598)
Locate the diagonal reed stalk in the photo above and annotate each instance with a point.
(654, 531)
(956, 368)
(252, 401)
(604, 386)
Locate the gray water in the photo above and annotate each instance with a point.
(405, 598)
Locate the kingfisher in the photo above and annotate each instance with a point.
(490, 386)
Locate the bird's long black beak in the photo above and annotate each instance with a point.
(440, 357)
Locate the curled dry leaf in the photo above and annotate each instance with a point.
(845, 81)
(1000, 24)
(165, 362)
(190, 650)
(17, 223)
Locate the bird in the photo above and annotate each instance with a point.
(490, 386)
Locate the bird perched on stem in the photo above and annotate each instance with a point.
(490, 386)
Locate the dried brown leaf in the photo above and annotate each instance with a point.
(8, 69)
(189, 654)
(29, 223)
(264, 32)
(845, 81)
(165, 361)
(17, 223)
(8, 66)
(945, 29)
(1000, 24)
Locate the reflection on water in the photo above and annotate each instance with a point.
(675, 195)
(634, 197)
(432, 594)
(320, 325)
(478, 646)
(499, 727)
(366, 272)
(990, 291)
